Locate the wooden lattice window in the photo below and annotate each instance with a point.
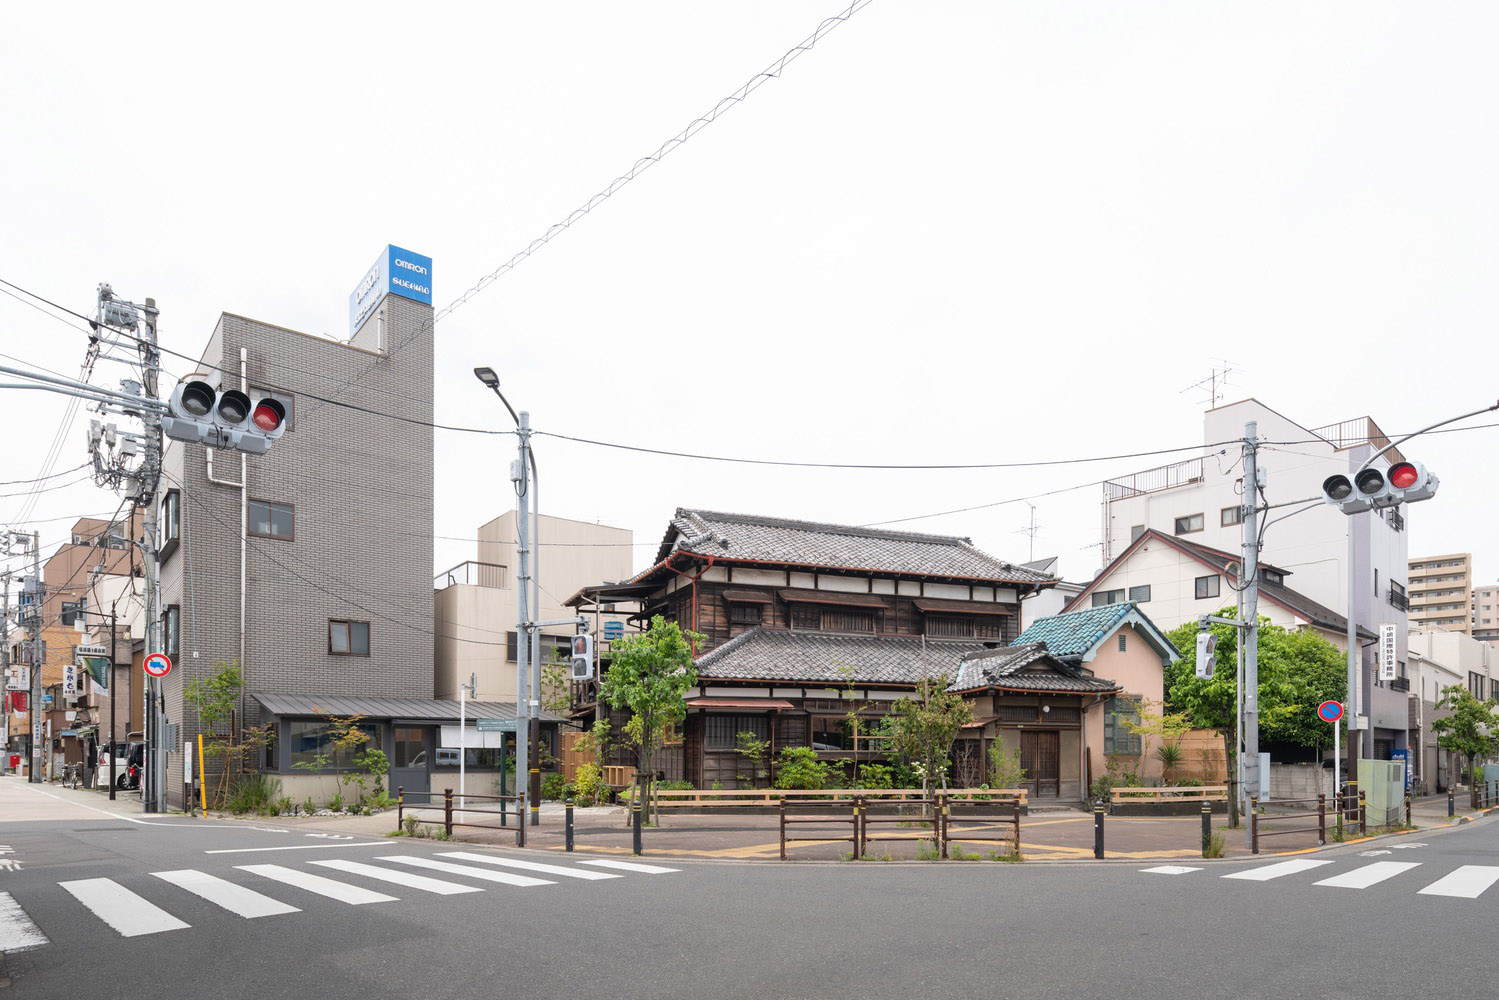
(744, 614)
(949, 628)
(1015, 713)
(993, 628)
(805, 617)
(839, 620)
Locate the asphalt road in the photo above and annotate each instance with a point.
(708, 928)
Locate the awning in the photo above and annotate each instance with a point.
(748, 597)
(964, 607)
(416, 710)
(832, 597)
(979, 723)
(764, 704)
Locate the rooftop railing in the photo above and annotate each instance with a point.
(1165, 477)
(473, 573)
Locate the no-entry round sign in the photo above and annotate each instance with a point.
(157, 665)
(1330, 711)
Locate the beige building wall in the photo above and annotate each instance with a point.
(475, 613)
(1440, 590)
(1137, 669)
(1486, 613)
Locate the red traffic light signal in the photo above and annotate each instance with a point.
(269, 414)
(1404, 475)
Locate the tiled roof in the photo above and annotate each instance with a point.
(826, 658)
(1073, 633)
(1030, 667)
(836, 546)
(416, 709)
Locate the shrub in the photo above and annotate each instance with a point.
(674, 786)
(410, 823)
(588, 781)
(284, 806)
(1004, 766)
(255, 793)
(336, 804)
(800, 768)
(553, 785)
(308, 807)
(926, 852)
(875, 776)
(1215, 845)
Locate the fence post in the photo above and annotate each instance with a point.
(1451, 803)
(859, 828)
(447, 811)
(941, 834)
(1363, 815)
(783, 831)
(1207, 827)
(1098, 831)
(568, 813)
(1254, 825)
(1407, 809)
(400, 805)
(635, 820)
(1321, 819)
(520, 819)
(1015, 818)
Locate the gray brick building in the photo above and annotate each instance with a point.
(337, 567)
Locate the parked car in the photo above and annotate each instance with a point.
(128, 766)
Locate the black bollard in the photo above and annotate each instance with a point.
(636, 821)
(568, 810)
(1098, 832)
(1207, 827)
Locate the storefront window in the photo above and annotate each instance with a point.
(308, 741)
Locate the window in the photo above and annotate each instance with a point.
(723, 730)
(271, 520)
(72, 610)
(1190, 523)
(1121, 642)
(171, 630)
(1136, 531)
(831, 732)
(848, 621)
(949, 628)
(411, 746)
(1205, 587)
(286, 399)
(1117, 738)
(1272, 576)
(1102, 597)
(744, 614)
(349, 638)
(171, 523)
(307, 740)
(1140, 594)
(1231, 515)
(1376, 582)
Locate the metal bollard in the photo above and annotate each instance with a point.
(535, 795)
(1254, 825)
(1407, 809)
(1207, 827)
(635, 821)
(1451, 803)
(520, 820)
(447, 811)
(1098, 832)
(783, 834)
(1321, 819)
(1363, 815)
(568, 815)
(400, 805)
(858, 826)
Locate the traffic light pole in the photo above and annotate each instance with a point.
(1250, 575)
(522, 476)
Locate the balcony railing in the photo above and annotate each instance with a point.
(1400, 684)
(1359, 430)
(473, 573)
(1165, 477)
(1399, 600)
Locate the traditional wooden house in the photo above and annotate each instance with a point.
(810, 630)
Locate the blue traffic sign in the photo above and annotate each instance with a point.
(1330, 711)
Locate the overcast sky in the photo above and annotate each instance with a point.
(952, 232)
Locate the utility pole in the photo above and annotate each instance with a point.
(1355, 668)
(38, 658)
(520, 475)
(533, 782)
(1249, 576)
(5, 663)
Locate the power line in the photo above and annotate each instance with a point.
(18, 482)
(771, 72)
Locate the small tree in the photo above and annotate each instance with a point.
(556, 684)
(345, 747)
(1004, 766)
(750, 746)
(924, 726)
(212, 699)
(1167, 730)
(649, 674)
(1471, 731)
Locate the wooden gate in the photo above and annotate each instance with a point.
(1041, 757)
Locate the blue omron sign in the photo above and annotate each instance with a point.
(396, 272)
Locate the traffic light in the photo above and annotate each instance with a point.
(582, 657)
(1207, 653)
(226, 419)
(1403, 482)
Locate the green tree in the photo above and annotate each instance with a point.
(923, 726)
(1472, 730)
(649, 674)
(213, 699)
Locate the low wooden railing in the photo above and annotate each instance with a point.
(698, 798)
(1170, 793)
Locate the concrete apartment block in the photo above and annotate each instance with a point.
(1441, 592)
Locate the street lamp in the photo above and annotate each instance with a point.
(527, 653)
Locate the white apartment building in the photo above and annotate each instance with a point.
(1439, 659)
(1198, 500)
(1486, 614)
(476, 601)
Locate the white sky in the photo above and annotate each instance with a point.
(955, 231)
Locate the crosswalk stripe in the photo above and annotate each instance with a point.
(1170, 870)
(351, 894)
(399, 878)
(120, 908)
(1371, 874)
(486, 874)
(530, 866)
(17, 931)
(1269, 872)
(234, 898)
(630, 866)
(1467, 882)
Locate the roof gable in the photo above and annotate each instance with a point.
(1081, 633)
(1028, 667)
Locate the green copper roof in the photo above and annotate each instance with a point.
(1076, 633)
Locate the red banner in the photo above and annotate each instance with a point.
(17, 700)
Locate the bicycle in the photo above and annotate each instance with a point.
(72, 773)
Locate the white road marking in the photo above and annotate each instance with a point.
(1467, 882)
(485, 874)
(235, 898)
(17, 931)
(1269, 872)
(294, 847)
(1171, 869)
(351, 894)
(122, 909)
(1400, 846)
(630, 866)
(1371, 854)
(1372, 874)
(530, 866)
(399, 878)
